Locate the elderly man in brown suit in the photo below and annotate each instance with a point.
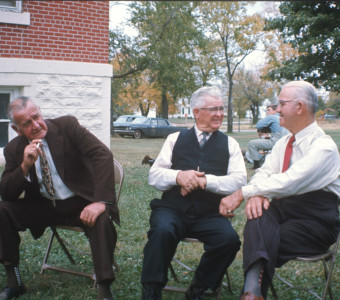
(66, 175)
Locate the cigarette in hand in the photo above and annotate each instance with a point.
(37, 145)
(198, 169)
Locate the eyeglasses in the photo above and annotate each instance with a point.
(214, 109)
(283, 102)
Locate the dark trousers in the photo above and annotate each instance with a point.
(300, 225)
(168, 227)
(38, 214)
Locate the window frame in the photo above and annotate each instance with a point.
(17, 8)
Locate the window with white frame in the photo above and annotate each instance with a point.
(14, 6)
(4, 100)
(7, 94)
(11, 12)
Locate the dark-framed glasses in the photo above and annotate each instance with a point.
(214, 109)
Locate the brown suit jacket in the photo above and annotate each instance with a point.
(83, 162)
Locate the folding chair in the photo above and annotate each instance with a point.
(169, 288)
(148, 160)
(119, 178)
(328, 261)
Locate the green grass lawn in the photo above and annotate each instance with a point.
(135, 212)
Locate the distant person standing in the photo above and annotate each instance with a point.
(269, 131)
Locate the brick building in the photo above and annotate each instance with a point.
(56, 52)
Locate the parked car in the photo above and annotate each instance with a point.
(120, 126)
(330, 117)
(152, 127)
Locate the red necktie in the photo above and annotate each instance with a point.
(288, 153)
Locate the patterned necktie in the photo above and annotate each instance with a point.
(46, 175)
(204, 139)
(288, 154)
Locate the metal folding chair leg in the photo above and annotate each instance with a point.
(46, 266)
(215, 294)
(328, 260)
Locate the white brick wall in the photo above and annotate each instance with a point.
(61, 88)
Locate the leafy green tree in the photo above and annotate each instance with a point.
(207, 63)
(313, 28)
(167, 36)
(321, 103)
(251, 90)
(334, 103)
(236, 34)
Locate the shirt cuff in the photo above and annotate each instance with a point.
(247, 192)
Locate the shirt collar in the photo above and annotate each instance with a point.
(199, 132)
(306, 131)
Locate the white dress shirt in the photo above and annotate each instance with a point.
(163, 178)
(314, 165)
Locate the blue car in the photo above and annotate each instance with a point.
(152, 127)
(121, 125)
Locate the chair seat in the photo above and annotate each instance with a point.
(315, 258)
(72, 228)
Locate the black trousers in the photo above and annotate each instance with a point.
(168, 227)
(300, 225)
(39, 213)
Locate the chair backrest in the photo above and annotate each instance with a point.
(119, 177)
(338, 240)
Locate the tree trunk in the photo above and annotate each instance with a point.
(145, 111)
(165, 106)
(257, 110)
(230, 106)
(252, 109)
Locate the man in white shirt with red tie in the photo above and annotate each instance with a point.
(195, 169)
(292, 200)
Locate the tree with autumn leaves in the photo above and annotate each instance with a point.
(183, 45)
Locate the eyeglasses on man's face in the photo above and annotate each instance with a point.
(214, 109)
(283, 102)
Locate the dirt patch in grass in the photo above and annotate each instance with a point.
(330, 125)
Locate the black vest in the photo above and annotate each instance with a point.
(187, 155)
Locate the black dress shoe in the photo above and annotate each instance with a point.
(12, 292)
(195, 293)
(196, 290)
(152, 291)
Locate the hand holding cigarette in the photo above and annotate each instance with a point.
(31, 154)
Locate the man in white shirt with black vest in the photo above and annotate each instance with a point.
(292, 200)
(195, 170)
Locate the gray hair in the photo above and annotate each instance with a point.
(16, 105)
(307, 93)
(197, 99)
